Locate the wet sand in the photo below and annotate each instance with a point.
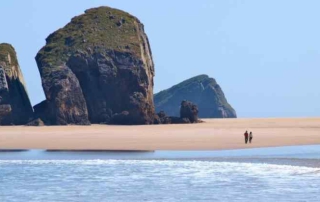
(214, 134)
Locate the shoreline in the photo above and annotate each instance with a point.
(291, 155)
(150, 151)
(213, 134)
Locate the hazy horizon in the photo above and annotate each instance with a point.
(264, 54)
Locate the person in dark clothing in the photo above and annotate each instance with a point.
(250, 137)
(246, 137)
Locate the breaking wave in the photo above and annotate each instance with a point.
(155, 180)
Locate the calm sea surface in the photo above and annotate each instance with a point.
(270, 174)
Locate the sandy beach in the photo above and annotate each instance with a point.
(214, 134)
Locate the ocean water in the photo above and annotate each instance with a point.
(254, 175)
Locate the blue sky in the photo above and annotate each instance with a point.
(265, 54)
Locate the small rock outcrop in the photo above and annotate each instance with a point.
(97, 69)
(188, 114)
(15, 107)
(189, 111)
(36, 122)
(202, 91)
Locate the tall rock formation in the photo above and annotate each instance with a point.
(98, 65)
(15, 107)
(201, 90)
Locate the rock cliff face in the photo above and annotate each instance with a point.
(201, 90)
(98, 65)
(15, 107)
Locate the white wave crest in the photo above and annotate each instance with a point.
(179, 166)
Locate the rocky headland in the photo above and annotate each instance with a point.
(203, 91)
(15, 107)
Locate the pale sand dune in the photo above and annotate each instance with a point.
(213, 134)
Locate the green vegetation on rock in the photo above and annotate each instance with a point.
(97, 29)
(4, 50)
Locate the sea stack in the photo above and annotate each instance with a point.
(98, 67)
(15, 107)
(202, 91)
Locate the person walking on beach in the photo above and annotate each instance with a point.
(246, 137)
(250, 137)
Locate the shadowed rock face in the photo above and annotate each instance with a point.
(98, 65)
(15, 107)
(202, 91)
